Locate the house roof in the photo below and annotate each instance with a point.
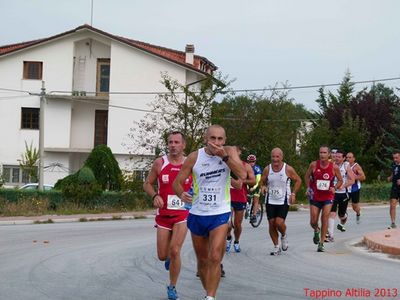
(200, 63)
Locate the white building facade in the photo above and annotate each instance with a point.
(88, 75)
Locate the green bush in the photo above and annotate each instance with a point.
(105, 168)
(27, 202)
(61, 183)
(85, 176)
(377, 191)
(15, 202)
(82, 194)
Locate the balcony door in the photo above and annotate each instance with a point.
(103, 77)
(100, 127)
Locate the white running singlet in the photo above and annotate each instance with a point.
(211, 185)
(278, 186)
(343, 172)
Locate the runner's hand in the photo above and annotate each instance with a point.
(186, 197)
(217, 150)
(158, 202)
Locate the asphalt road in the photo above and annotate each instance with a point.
(117, 260)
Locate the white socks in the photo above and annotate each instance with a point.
(331, 227)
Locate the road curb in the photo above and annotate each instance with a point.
(80, 218)
(386, 241)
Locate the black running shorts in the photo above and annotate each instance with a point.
(355, 197)
(276, 211)
(341, 201)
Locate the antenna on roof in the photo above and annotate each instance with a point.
(91, 13)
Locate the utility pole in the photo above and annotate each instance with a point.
(91, 13)
(41, 135)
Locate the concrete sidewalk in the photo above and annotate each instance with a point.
(386, 241)
(76, 218)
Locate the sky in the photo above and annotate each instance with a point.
(257, 43)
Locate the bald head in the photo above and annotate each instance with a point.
(214, 135)
(276, 156)
(214, 128)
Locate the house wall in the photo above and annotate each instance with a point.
(86, 53)
(83, 123)
(70, 124)
(133, 70)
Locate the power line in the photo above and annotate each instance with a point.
(315, 86)
(247, 90)
(121, 107)
(223, 92)
(13, 90)
(14, 97)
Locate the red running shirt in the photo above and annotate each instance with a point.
(173, 205)
(322, 181)
(239, 195)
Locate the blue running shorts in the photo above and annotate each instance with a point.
(202, 225)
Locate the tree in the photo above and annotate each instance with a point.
(364, 124)
(185, 108)
(105, 168)
(333, 106)
(29, 161)
(260, 123)
(392, 138)
(319, 135)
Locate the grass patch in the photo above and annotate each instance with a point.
(293, 208)
(83, 219)
(48, 221)
(140, 217)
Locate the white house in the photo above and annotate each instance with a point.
(89, 75)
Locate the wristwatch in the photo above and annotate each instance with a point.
(225, 158)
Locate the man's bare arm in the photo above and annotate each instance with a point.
(184, 173)
(264, 180)
(148, 185)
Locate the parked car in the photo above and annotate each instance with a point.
(35, 186)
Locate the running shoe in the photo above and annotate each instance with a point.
(321, 248)
(236, 246)
(275, 251)
(228, 245)
(284, 242)
(209, 298)
(329, 239)
(392, 226)
(222, 271)
(358, 217)
(167, 263)
(172, 294)
(316, 237)
(341, 227)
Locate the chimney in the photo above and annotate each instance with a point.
(189, 51)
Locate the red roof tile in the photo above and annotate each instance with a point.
(166, 53)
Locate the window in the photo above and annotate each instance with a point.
(15, 175)
(100, 127)
(33, 70)
(103, 76)
(140, 174)
(29, 118)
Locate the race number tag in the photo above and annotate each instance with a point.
(208, 197)
(174, 202)
(275, 192)
(323, 185)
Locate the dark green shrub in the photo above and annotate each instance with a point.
(80, 188)
(377, 191)
(85, 175)
(105, 168)
(61, 183)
